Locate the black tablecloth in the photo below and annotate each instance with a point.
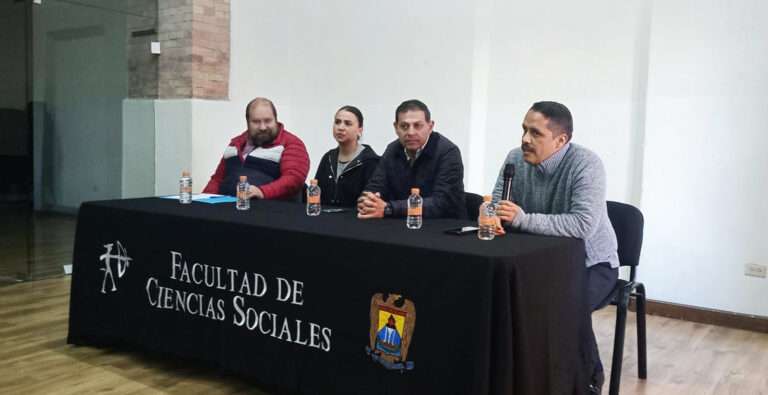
(497, 316)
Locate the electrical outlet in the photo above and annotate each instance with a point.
(753, 269)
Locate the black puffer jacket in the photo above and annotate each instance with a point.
(349, 186)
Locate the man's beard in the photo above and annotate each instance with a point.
(264, 138)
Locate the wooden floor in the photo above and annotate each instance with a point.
(35, 359)
(34, 245)
(683, 357)
(52, 244)
(14, 242)
(686, 357)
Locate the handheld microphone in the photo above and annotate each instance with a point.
(509, 174)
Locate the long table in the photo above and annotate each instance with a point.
(331, 304)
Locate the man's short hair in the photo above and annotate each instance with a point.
(559, 118)
(412, 105)
(260, 101)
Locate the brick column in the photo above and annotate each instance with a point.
(194, 38)
(142, 64)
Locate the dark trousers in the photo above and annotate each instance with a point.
(601, 279)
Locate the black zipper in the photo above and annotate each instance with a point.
(335, 179)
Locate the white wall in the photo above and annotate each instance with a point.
(473, 63)
(173, 145)
(311, 58)
(138, 172)
(582, 54)
(671, 95)
(705, 179)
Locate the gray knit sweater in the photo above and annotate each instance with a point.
(563, 196)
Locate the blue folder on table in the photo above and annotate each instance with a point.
(205, 198)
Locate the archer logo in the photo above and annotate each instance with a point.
(123, 260)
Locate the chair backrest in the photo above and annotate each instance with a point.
(628, 223)
(472, 203)
(302, 196)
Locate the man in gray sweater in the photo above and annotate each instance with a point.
(558, 189)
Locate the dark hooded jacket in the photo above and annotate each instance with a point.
(349, 186)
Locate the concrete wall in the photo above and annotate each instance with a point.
(79, 76)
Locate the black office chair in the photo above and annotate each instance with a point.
(472, 203)
(627, 222)
(302, 196)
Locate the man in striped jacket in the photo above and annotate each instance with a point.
(274, 160)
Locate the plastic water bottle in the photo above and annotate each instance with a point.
(185, 188)
(486, 220)
(313, 198)
(243, 203)
(414, 210)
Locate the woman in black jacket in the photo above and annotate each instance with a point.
(344, 170)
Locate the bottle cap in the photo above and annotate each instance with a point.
(487, 198)
(414, 191)
(243, 178)
(185, 174)
(313, 182)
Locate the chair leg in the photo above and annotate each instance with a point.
(618, 342)
(642, 371)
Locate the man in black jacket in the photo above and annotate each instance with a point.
(419, 158)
